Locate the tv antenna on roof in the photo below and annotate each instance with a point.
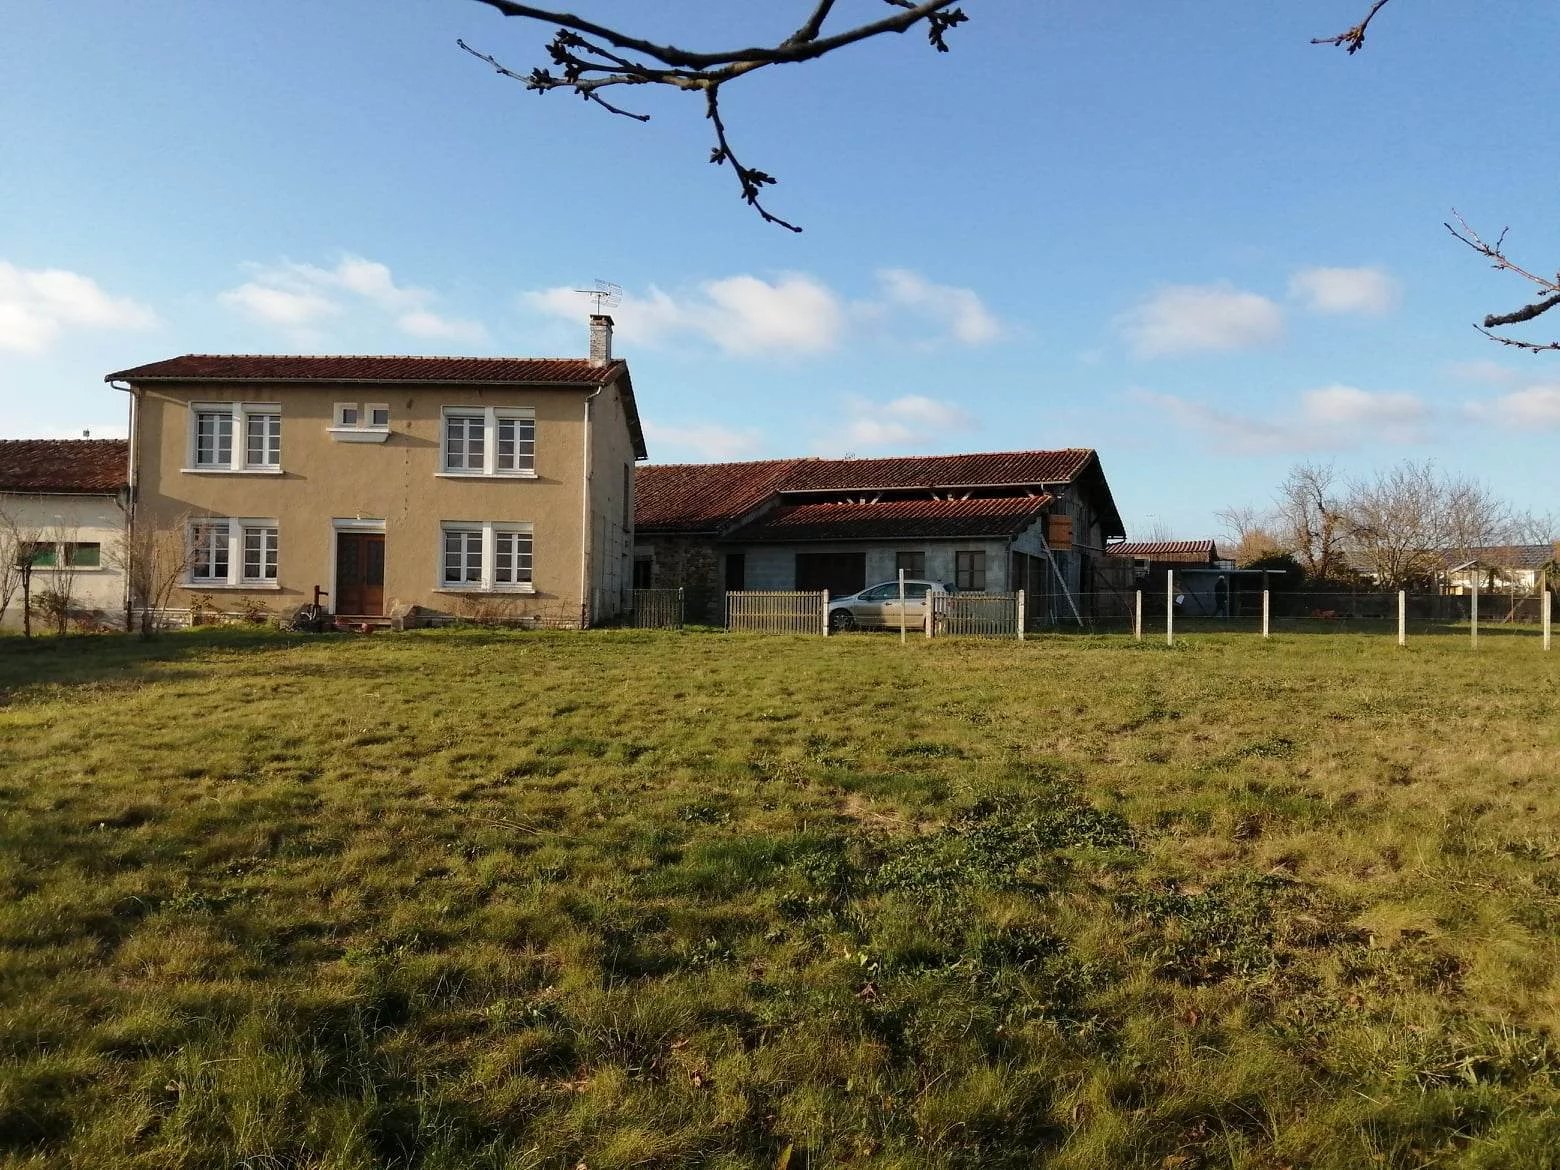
(606, 294)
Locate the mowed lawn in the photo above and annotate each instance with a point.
(474, 899)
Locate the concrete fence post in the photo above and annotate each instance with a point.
(1021, 615)
(1267, 613)
(1473, 628)
(1169, 607)
(902, 614)
(1137, 616)
(825, 613)
(1548, 607)
(1402, 617)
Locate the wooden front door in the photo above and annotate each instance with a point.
(360, 574)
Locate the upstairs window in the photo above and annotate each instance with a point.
(489, 441)
(356, 422)
(235, 436)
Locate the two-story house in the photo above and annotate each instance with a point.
(477, 487)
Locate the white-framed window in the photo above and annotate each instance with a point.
(358, 422)
(485, 556)
(235, 436)
(233, 552)
(489, 440)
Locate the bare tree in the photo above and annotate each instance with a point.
(1394, 522)
(57, 599)
(1250, 534)
(23, 547)
(591, 57)
(11, 567)
(155, 561)
(1310, 520)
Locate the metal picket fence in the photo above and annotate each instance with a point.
(656, 609)
(777, 612)
(978, 615)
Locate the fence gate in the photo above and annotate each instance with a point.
(656, 609)
(978, 615)
(765, 612)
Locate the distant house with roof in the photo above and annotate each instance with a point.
(64, 499)
(987, 522)
(1517, 567)
(492, 488)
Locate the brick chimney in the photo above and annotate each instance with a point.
(600, 339)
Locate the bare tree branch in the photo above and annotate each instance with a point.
(590, 57)
(1353, 40)
(1496, 255)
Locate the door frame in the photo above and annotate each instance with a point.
(355, 525)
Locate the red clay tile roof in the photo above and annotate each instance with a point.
(707, 497)
(64, 466)
(254, 367)
(1185, 552)
(984, 469)
(501, 371)
(704, 497)
(896, 519)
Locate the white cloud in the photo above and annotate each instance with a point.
(707, 441)
(913, 418)
(38, 304)
(302, 297)
(1329, 418)
(958, 310)
(1188, 318)
(1484, 371)
(791, 314)
(1535, 407)
(280, 306)
(1367, 291)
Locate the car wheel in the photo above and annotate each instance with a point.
(841, 620)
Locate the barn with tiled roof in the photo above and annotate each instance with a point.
(987, 521)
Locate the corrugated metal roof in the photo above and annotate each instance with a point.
(1503, 556)
(894, 519)
(1189, 552)
(64, 466)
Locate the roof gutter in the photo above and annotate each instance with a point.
(585, 516)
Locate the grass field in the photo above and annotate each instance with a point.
(467, 899)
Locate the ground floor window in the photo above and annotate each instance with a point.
(644, 572)
(486, 556)
(233, 551)
(969, 572)
(911, 564)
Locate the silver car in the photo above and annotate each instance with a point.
(878, 606)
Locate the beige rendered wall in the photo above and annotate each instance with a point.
(612, 515)
(323, 480)
(82, 519)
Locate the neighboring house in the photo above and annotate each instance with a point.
(989, 522)
(477, 487)
(1503, 567)
(1205, 584)
(66, 497)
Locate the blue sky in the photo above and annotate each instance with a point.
(1177, 233)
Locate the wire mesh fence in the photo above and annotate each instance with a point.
(1366, 612)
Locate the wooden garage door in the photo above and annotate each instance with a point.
(839, 573)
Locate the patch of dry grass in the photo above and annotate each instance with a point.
(470, 899)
